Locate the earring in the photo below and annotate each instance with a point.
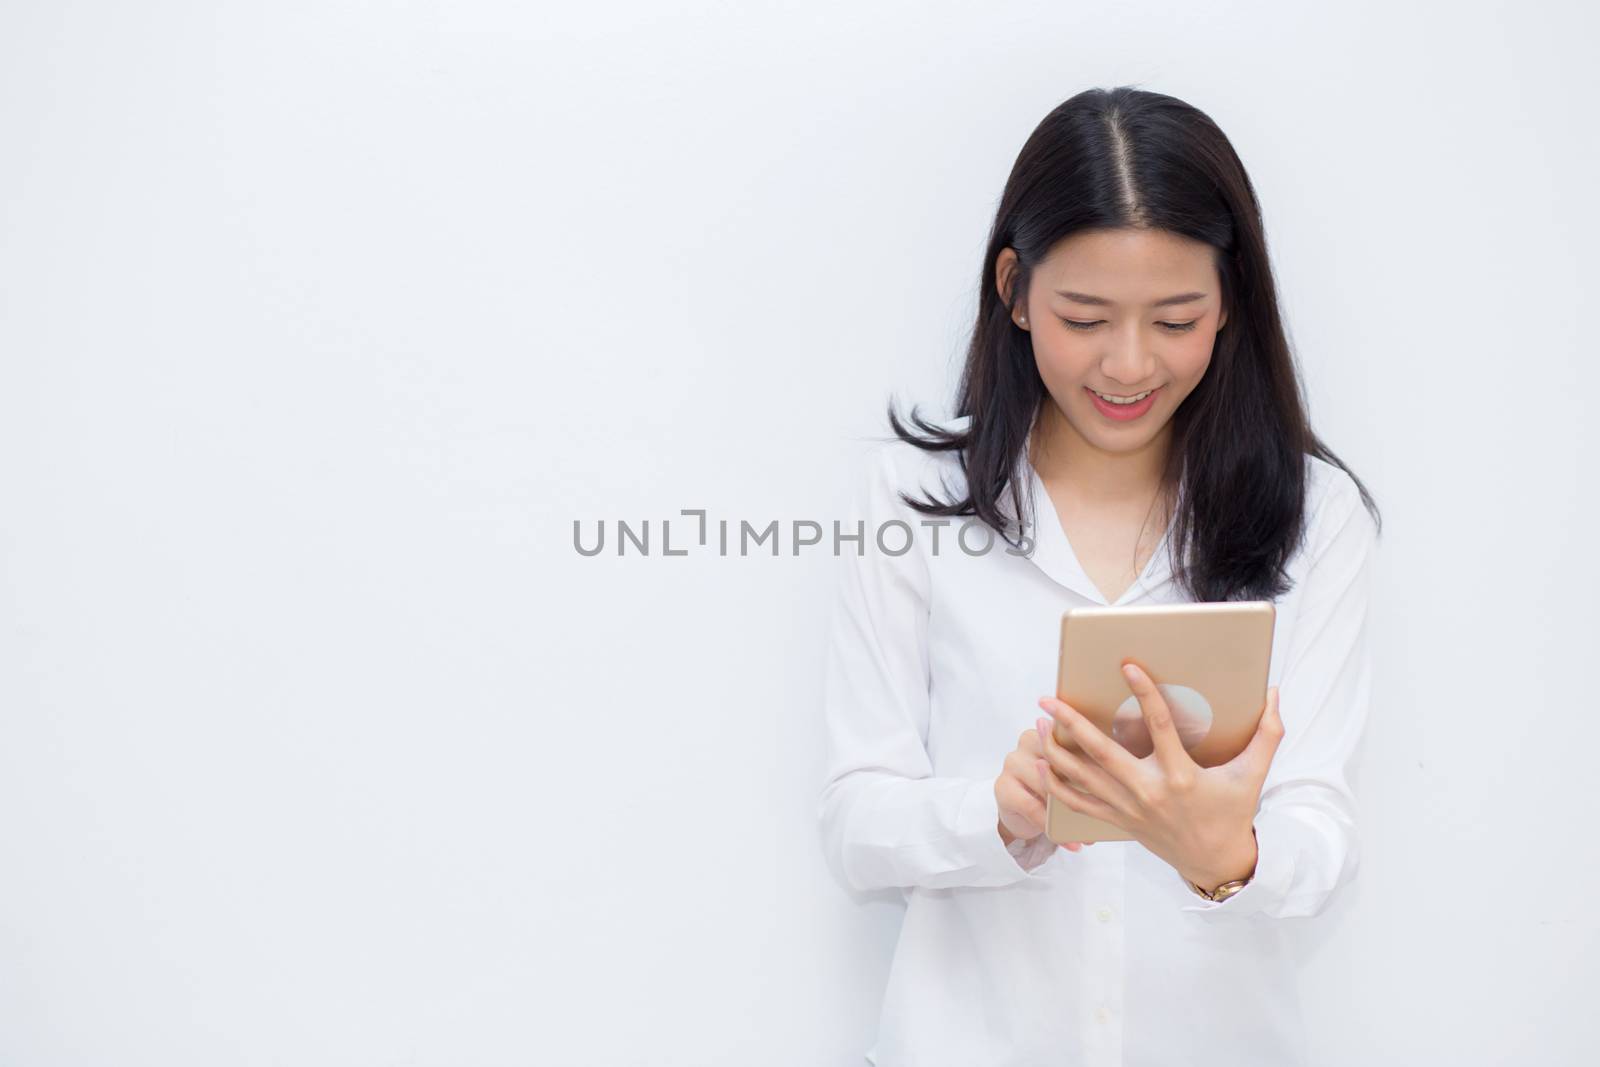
(1024, 320)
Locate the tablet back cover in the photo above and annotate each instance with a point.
(1209, 660)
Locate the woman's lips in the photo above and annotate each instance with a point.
(1124, 412)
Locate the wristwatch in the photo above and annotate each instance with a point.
(1223, 891)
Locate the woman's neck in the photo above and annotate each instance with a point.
(1068, 462)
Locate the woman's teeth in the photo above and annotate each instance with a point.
(1129, 400)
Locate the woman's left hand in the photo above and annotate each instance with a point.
(1198, 819)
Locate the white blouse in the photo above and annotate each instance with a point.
(1033, 955)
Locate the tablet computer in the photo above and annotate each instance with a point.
(1209, 660)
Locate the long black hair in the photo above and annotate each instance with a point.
(1122, 158)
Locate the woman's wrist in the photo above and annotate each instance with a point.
(1238, 864)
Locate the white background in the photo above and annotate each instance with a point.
(322, 322)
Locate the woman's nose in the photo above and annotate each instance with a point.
(1129, 361)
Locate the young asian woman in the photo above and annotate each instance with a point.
(1130, 429)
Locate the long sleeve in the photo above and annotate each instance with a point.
(1306, 834)
(885, 819)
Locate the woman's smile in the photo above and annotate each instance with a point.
(1125, 410)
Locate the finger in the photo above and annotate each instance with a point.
(1036, 783)
(1013, 795)
(1085, 774)
(1257, 755)
(1170, 753)
(1083, 803)
(1106, 752)
(1019, 765)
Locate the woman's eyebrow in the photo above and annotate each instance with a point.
(1085, 298)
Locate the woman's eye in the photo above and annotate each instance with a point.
(1170, 327)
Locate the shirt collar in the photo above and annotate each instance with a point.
(1053, 553)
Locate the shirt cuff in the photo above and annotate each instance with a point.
(1030, 854)
(978, 826)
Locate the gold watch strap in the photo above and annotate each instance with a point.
(1223, 891)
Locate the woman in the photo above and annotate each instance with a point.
(1131, 424)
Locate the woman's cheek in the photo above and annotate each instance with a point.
(1063, 365)
(1196, 357)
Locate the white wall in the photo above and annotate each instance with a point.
(321, 322)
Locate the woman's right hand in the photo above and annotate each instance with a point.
(1020, 793)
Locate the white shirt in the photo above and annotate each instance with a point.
(1035, 956)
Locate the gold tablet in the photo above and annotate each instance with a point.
(1209, 660)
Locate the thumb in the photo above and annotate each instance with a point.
(1257, 755)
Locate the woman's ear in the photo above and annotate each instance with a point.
(1005, 273)
(1004, 266)
(1222, 319)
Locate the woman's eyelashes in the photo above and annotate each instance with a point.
(1170, 327)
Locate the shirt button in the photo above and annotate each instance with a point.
(1103, 1013)
(1104, 915)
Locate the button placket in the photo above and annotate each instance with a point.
(1105, 972)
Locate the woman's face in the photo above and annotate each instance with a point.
(1121, 313)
